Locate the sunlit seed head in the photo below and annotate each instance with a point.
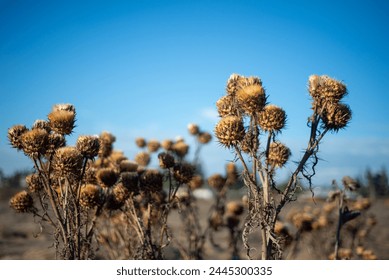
(167, 144)
(251, 98)
(181, 149)
(272, 118)
(234, 84)
(204, 137)
(64, 107)
(229, 131)
(34, 142)
(67, 162)
(21, 202)
(196, 182)
(34, 183)
(90, 196)
(234, 208)
(54, 142)
(193, 129)
(278, 154)
(216, 181)
(42, 124)
(14, 136)
(142, 158)
(140, 142)
(62, 121)
(153, 145)
(88, 146)
(226, 106)
(128, 166)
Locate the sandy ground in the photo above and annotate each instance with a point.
(20, 237)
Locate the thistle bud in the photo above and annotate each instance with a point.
(251, 97)
(14, 136)
(90, 196)
(216, 181)
(106, 177)
(336, 116)
(204, 137)
(226, 106)
(272, 118)
(34, 142)
(151, 180)
(183, 172)
(142, 158)
(67, 161)
(278, 154)
(62, 121)
(34, 183)
(153, 146)
(140, 142)
(193, 129)
(166, 160)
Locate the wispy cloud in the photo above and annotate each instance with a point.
(210, 114)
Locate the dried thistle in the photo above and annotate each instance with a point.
(272, 118)
(14, 136)
(22, 202)
(229, 131)
(88, 146)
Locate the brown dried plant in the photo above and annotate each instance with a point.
(250, 127)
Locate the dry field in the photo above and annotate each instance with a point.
(18, 240)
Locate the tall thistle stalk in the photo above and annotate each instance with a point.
(257, 143)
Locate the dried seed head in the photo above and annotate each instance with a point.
(227, 106)
(64, 107)
(88, 146)
(14, 136)
(142, 158)
(234, 83)
(167, 144)
(272, 118)
(106, 177)
(278, 154)
(196, 182)
(67, 161)
(193, 129)
(166, 160)
(336, 116)
(22, 202)
(42, 124)
(128, 166)
(34, 142)
(324, 87)
(229, 131)
(251, 96)
(153, 146)
(151, 180)
(54, 142)
(204, 137)
(216, 220)
(130, 181)
(234, 208)
(90, 175)
(34, 183)
(183, 172)
(90, 196)
(140, 142)
(62, 121)
(216, 181)
(181, 149)
(118, 197)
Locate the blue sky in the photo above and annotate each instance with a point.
(148, 68)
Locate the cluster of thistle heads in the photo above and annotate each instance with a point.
(246, 99)
(327, 94)
(101, 174)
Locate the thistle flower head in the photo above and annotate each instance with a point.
(336, 116)
(180, 148)
(142, 158)
(140, 142)
(167, 144)
(54, 141)
(278, 154)
(106, 177)
(193, 129)
(196, 182)
(130, 181)
(166, 160)
(67, 161)
(229, 131)
(183, 172)
(204, 137)
(151, 180)
(64, 107)
(34, 183)
(251, 97)
(14, 136)
(216, 181)
(234, 83)
(118, 197)
(128, 166)
(42, 124)
(153, 145)
(88, 146)
(62, 121)
(22, 202)
(234, 208)
(34, 142)
(90, 196)
(226, 106)
(272, 118)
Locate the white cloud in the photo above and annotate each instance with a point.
(210, 114)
